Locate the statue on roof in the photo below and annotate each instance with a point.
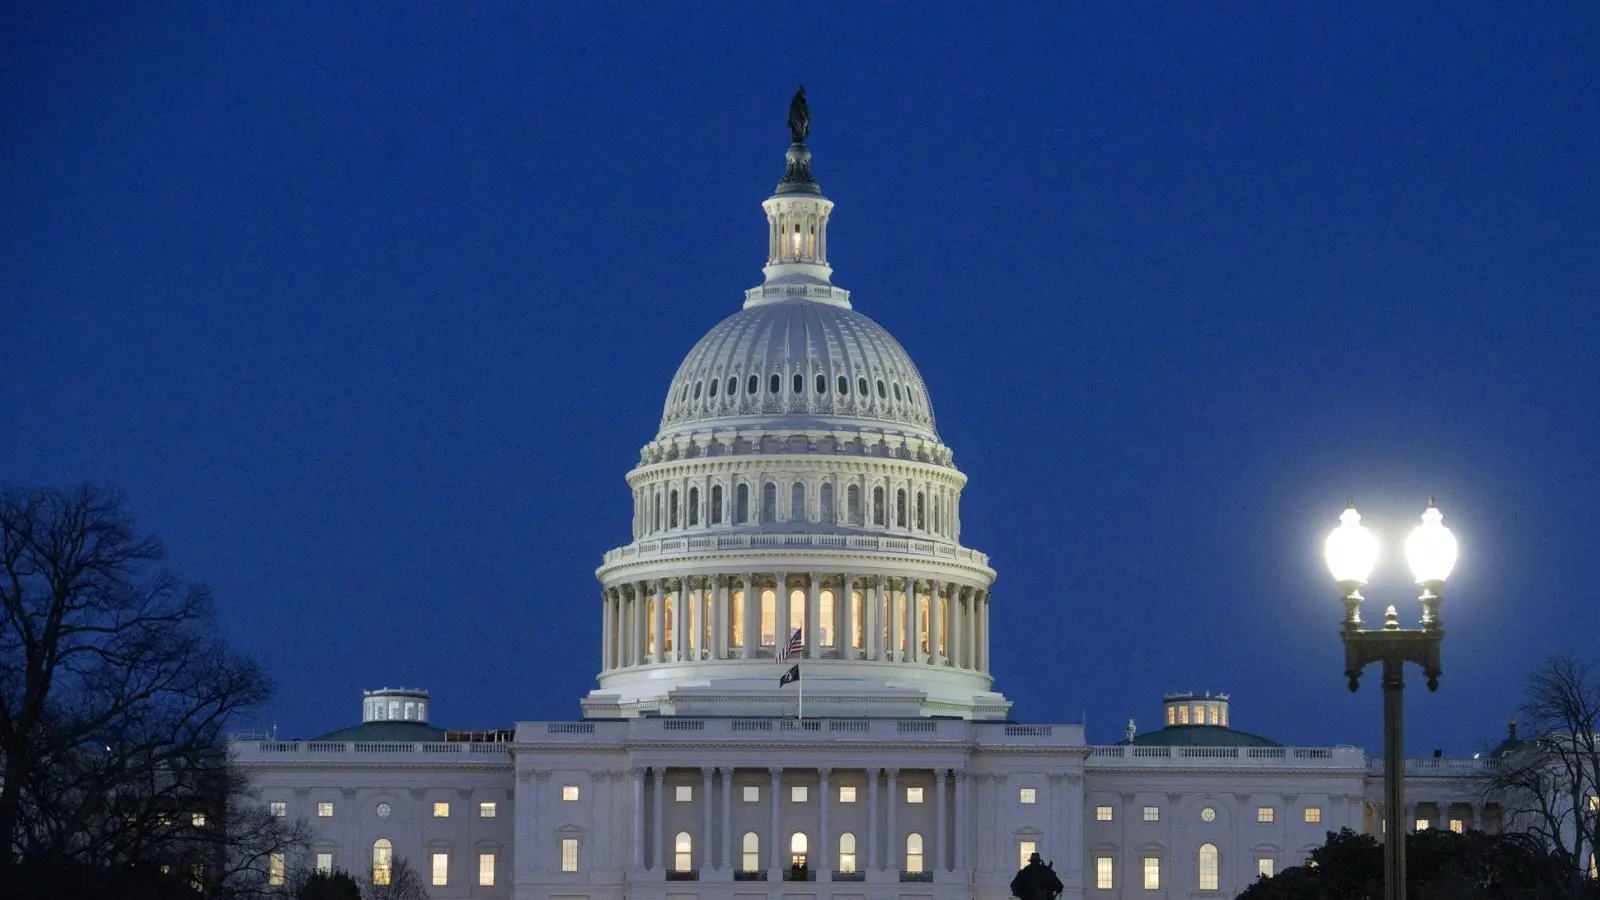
(1036, 881)
(799, 116)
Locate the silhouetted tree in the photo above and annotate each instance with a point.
(115, 688)
(403, 883)
(335, 885)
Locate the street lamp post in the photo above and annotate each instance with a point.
(1351, 552)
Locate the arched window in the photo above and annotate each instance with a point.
(822, 383)
(741, 505)
(877, 506)
(697, 390)
(852, 500)
(922, 617)
(754, 385)
(649, 623)
(844, 386)
(797, 850)
(750, 852)
(711, 388)
(897, 392)
(668, 629)
(913, 852)
(682, 852)
(825, 619)
(798, 383)
(672, 509)
(861, 387)
(694, 505)
(847, 852)
(775, 383)
(797, 611)
(922, 517)
(1208, 867)
(716, 504)
(382, 860)
(733, 386)
(900, 508)
(825, 503)
(769, 618)
(736, 620)
(769, 503)
(857, 611)
(881, 394)
(797, 502)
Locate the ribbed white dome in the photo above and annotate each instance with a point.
(801, 360)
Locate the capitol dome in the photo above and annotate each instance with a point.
(796, 505)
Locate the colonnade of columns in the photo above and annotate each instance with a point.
(842, 616)
(882, 848)
(1469, 813)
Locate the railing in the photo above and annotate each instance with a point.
(869, 542)
(849, 876)
(1296, 757)
(801, 725)
(1027, 731)
(917, 727)
(683, 725)
(1438, 767)
(683, 875)
(855, 726)
(916, 876)
(320, 748)
(794, 874)
(757, 875)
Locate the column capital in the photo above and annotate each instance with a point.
(525, 776)
(542, 774)
(774, 771)
(1000, 777)
(638, 773)
(824, 772)
(1174, 798)
(707, 771)
(961, 774)
(1057, 777)
(874, 772)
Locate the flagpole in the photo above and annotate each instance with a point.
(800, 705)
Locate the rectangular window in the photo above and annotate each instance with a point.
(441, 809)
(1422, 825)
(913, 795)
(1458, 826)
(198, 819)
(769, 618)
(1102, 813)
(1028, 796)
(1313, 815)
(325, 809)
(1152, 873)
(1103, 873)
(325, 863)
(487, 810)
(1594, 802)
(752, 793)
(1025, 850)
(569, 793)
(279, 808)
(847, 793)
(1152, 813)
(1266, 865)
(797, 794)
(1266, 814)
(569, 854)
(683, 793)
(275, 869)
(441, 869)
(486, 870)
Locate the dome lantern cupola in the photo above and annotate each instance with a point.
(797, 213)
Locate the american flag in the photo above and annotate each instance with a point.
(793, 648)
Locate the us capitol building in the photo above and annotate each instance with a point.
(798, 483)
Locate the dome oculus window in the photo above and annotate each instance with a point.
(775, 383)
(755, 384)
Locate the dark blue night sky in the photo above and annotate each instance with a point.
(369, 311)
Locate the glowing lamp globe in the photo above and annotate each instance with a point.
(1351, 550)
(1431, 548)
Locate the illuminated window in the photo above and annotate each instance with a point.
(1172, 716)
(769, 618)
(752, 793)
(1025, 851)
(198, 819)
(325, 809)
(486, 869)
(1102, 813)
(857, 615)
(486, 810)
(1183, 715)
(1028, 796)
(736, 620)
(847, 842)
(922, 621)
(1152, 813)
(569, 793)
(441, 869)
(797, 794)
(325, 863)
(1422, 825)
(913, 795)
(279, 808)
(825, 619)
(569, 854)
(1313, 815)
(1211, 715)
(1199, 714)
(382, 860)
(441, 809)
(1458, 826)
(847, 793)
(797, 610)
(1266, 814)
(1152, 873)
(1594, 802)
(683, 793)
(1267, 866)
(682, 852)
(1208, 867)
(275, 865)
(1103, 871)
(913, 852)
(750, 852)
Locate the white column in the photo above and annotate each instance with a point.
(983, 632)
(638, 818)
(773, 839)
(682, 641)
(659, 618)
(874, 607)
(641, 652)
(727, 820)
(971, 650)
(892, 833)
(659, 839)
(825, 850)
(813, 616)
(937, 595)
(606, 620)
(705, 818)
(891, 620)
(780, 609)
(752, 618)
(963, 828)
(872, 819)
(719, 614)
(845, 639)
(939, 782)
(914, 620)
